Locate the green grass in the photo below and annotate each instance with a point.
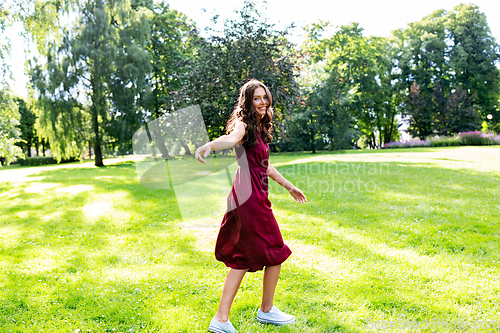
(385, 235)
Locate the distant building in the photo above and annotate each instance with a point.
(403, 126)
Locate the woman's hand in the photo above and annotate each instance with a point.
(298, 195)
(205, 150)
(223, 142)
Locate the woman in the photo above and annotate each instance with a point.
(249, 238)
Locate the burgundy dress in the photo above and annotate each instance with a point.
(249, 236)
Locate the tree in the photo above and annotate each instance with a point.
(445, 55)
(462, 114)
(170, 48)
(95, 72)
(9, 131)
(421, 122)
(473, 57)
(5, 20)
(249, 47)
(128, 87)
(323, 118)
(27, 126)
(361, 64)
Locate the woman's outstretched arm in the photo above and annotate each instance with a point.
(277, 177)
(221, 143)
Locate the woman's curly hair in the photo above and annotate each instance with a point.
(244, 111)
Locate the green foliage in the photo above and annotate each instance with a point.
(42, 20)
(27, 126)
(447, 63)
(122, 63)
(462, 115)
(128, 85)
(249, 47)
(61, 118)
(170, 48)
(102, 55)
(445, 141)
(474, 55)
(6, 18)
(4, 14)
(362, 65)
(475, 138)
(446, 115)
(9, 130)
(323, 120)
(41, 160)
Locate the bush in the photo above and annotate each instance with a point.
(445, 142)
(39, 160)
(408, 144)
(476, 138)
(290, 144)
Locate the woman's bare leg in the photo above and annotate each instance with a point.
(231, 285)
(269, 282)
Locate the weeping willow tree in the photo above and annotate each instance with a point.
(9, 114)
(9, 130)
(4, 41)
(86, 69)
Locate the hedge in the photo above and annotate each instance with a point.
(476, 138)
(39, 160)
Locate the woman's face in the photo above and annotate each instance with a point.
(260, 102)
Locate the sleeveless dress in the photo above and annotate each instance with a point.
(249, 236)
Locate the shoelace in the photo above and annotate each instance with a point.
(276, 310)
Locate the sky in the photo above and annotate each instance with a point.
(377, 18)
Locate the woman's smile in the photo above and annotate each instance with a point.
(260, 101)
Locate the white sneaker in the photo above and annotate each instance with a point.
(218, 327)
(275, 317)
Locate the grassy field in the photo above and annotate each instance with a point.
(401, 237)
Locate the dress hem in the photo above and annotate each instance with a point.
(220, 258)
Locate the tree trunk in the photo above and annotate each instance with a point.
(388, 134)
(96, 79)
(95, 121)
(97, 141)
(187, 151)
(372, 141)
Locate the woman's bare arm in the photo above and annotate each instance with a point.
(277, 177)
(222, 142)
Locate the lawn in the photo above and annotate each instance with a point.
(387, 238)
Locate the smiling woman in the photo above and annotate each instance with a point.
(249, 238)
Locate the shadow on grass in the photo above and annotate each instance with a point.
(111, 256)
(63, 258)
(392, 199)
(411, 240)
